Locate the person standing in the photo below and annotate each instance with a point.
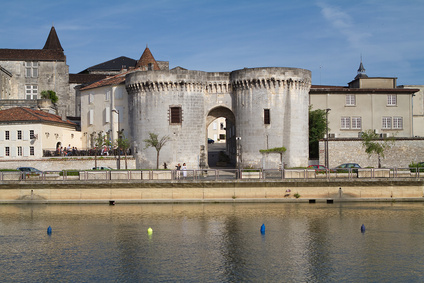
(178, 170)
(184, 168)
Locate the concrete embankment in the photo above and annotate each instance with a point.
(121, 191)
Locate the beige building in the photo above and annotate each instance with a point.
(366, 103)
(418, 109)
(28, 134)
(217, 130)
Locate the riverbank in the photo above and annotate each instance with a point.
(125, 191)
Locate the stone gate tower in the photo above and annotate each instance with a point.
(264, 107)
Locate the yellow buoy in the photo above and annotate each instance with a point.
(149, 231)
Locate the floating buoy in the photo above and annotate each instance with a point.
(263, 229)
(363, 228)
(150, 231)
(49, 230)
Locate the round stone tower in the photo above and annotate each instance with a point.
(271, 111)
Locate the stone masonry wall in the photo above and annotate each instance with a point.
(399, 155)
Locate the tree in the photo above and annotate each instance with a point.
(373, 145)
(123, 144)
(317, 130)
(153, 141)
(99, 141)
(49, 94)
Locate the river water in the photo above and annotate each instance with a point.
(213, 243)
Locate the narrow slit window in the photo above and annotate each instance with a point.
(267, 117)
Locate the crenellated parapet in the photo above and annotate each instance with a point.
(271, 78)
(165, 86)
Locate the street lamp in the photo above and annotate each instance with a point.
(326, 138)
(238, 148)
(119, 136)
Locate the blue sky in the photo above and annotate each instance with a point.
(326, 37)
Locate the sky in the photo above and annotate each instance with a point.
(329, 38)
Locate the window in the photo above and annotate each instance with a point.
(31, 69)
(31, 134)
(222, 126)
(175, 115)
(7, 135)
(350, 99)
(214, 125)
(91, 117)
(90, 98)
(345, 123)
(31, 91)
(19, 134)
(397, 123)
(31, 151)
(107, 95)
(387, 123)
(19, 150)
(356, 123)
(7, 151)
(391, 99)
(267, 117)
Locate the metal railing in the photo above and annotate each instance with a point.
(141, 175)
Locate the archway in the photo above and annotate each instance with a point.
(220, 137)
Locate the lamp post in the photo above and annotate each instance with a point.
(119, 136)
(326, 138)
(238, 148)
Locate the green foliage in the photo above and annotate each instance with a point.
(414, 166)
(49, 94)
(317, 130)
(154, 141)
(374, 145)
(296, 195)
(272, 150)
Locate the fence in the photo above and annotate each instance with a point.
(143, 175)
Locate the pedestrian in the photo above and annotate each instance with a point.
(178, 170)
(184, 168)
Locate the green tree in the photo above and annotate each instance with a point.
(123, 144)
(317, 130)
(49, 94)
(374, 145)
(154, 141)
(100, 140)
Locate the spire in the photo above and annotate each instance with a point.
(53, 42)
(147, 61)
(361, 71)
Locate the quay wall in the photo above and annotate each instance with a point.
(236, 191)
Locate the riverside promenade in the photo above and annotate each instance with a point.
(197, 186)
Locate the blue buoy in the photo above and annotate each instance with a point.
(363, 228)
(263, 229)
(49, 230)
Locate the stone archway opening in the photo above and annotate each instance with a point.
(220, 138)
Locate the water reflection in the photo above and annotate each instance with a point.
(213, 242)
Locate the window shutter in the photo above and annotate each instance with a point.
(1, 151)
(13, 135)
(107, 115)
(13, 151)
(26, 151)
(26, 135)
(91, 117)
(2, 134)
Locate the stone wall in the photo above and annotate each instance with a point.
(59, 164)
(402, 152)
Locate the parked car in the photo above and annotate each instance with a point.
(353, 166)
(102, 168)
(30, 170)
(210, 140)
(320, 168)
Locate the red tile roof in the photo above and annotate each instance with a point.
(114, 80)
(146, 59)
(23, 114)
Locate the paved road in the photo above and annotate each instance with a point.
(213, 152)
